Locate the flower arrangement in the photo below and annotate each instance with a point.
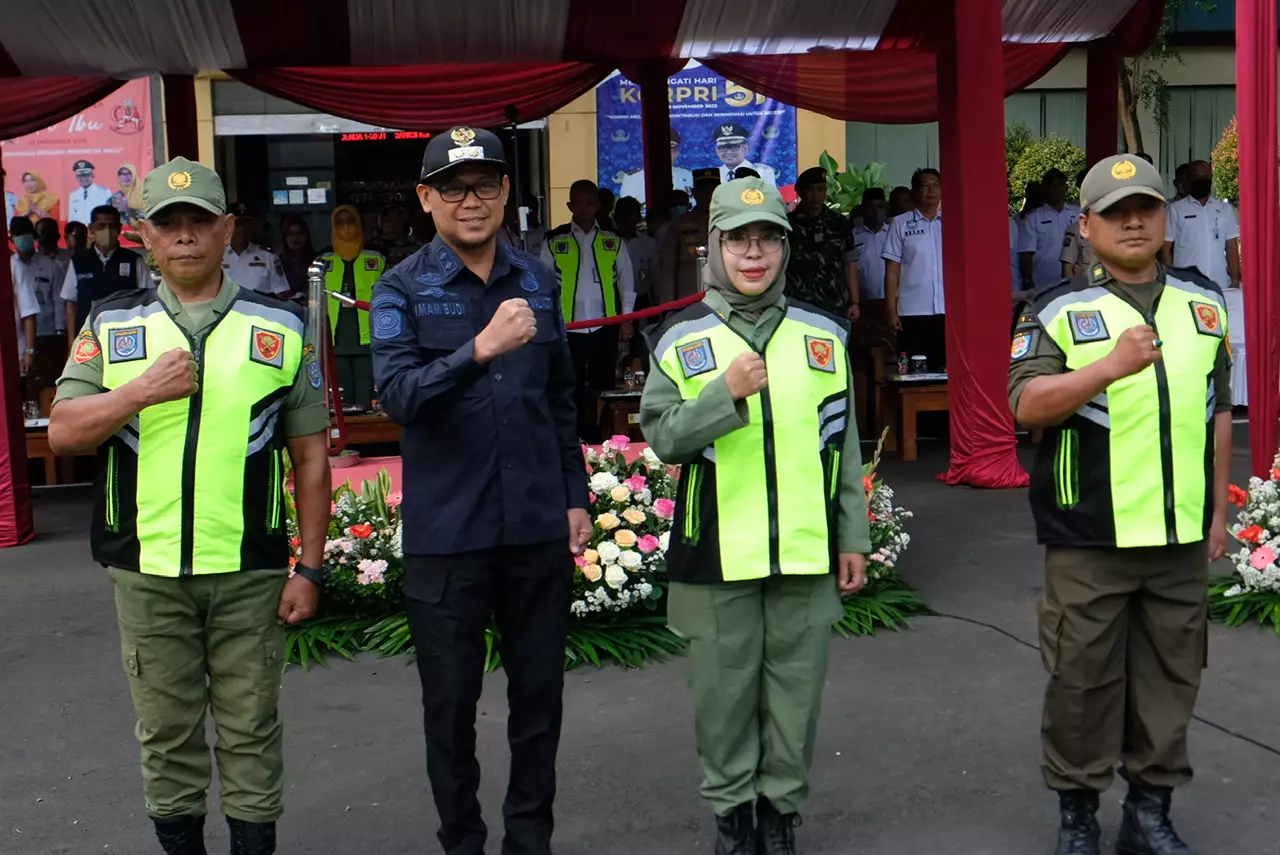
(1253, 592)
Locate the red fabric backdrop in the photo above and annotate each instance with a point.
(29, 104)
(428, 97)
(1259, 220)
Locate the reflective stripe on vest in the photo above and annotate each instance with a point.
(369, 267)
(774, 487)
(1133, 467)
(605, 248)
(209, 479)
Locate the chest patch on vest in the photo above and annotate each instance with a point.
(128, 345)
(1208, 321)
(371, 264)
(267, 347)
(610, 244)
(86, 347)
(1087, 326)
(820, 351)
(560, 246)
(1022, 344)
(696, 357)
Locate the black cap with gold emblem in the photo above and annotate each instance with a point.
(461, 146)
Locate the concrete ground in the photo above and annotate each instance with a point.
(928, 744)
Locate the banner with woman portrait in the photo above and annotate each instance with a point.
(97, 157)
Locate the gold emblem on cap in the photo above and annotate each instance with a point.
(753, 196)
(179, 181)
(1124, 170)
(463, 136)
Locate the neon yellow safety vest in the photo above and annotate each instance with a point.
(196, 486)
(369, 267)
(1134, 466)
(605, 247)
(763, 499)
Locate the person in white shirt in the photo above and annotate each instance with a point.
(87, 196)
(1043, 229)
(913, 288)
(731, 147)
(251, 266)
(47, 234)
(869, 239)
(105, 268)
(1202, 232)
(576, 250)
(641, 249)
(26, 309)
(37, 272)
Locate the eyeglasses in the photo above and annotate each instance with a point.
(486, 189)
(739, 242)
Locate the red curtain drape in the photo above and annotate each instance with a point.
(888, 87)
(15, 491)
(429, 97)
(1259, 219)
(29, 104)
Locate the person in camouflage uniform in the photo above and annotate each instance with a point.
(823, 270)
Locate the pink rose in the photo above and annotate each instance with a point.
(636, 483)
(591, 497)
(648, 544)
(394, 499)
(1262, 557)
(620, 441)
(580, 561)
(664, 508)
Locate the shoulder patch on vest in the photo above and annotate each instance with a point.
(696, 357)
(1087, 326)
(1021, 347)
(128, 345)
(267, 347)
(86, 347)
(1208, 321)
(370, 263)
(820, 351)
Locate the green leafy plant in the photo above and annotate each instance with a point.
(1016, 139)
(1142, 81)
(844, 189)
(1231, 606)
(1039, 156)
(1226, 165)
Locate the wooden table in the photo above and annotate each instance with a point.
(903, 400)
(620, 413)
(56, 469)
(370, 429)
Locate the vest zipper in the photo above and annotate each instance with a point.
(1166, 440)
(194, 407)
(770, 479)
(112, 511)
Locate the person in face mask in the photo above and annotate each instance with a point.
(768, 534)
(101, 270)
(869, 238)
(352, 270)
(1202, 232)
(28, 270)
(47, 234)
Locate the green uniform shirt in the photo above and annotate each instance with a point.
(1047, 358)
(692, 425)
(305, 410)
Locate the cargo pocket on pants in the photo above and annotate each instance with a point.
(132, 659)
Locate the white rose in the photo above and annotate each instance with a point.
(603, 482)
(664, 541)
(650, 458)
(609, 551)
(630, 559)
(614, 576)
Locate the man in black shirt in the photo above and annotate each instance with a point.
(470, 357)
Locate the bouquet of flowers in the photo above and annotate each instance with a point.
(632, 505)
(363, 551)
(889, 538)
(1253, 591)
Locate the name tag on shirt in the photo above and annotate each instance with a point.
(126, 268)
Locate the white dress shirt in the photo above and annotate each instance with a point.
(1199, 234)
(869, 246)
(588, 299)
(138, 271)
(915, 242)
(84, 200)
(24, 304)
(40, 274)
(633, 184)
(643, 253)
(1042, 233)
(256, 268)
(767, 173)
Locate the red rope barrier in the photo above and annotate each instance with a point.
(575, 325)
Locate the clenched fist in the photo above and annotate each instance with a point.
(746, 375)
(1135, 350)
(172, 377)
(512, 326)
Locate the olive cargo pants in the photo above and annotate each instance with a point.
(758, 662)
(198, 642)
(1124, 638)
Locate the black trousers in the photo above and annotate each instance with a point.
(595, 367)
(449, 599)
(925, 335)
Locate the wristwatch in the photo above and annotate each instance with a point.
(316, 575)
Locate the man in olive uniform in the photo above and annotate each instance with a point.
(823, 269)
(190, 392)
(1126, 367)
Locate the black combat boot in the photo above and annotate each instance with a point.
(1079, 832)
(252, 838)
(181, 835)
(734, 832)
(1146, 829)
(775, 832)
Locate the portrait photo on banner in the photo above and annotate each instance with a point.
(99, 156)
(714, 123)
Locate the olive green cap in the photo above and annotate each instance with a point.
(183, 182)
(1119, 177)
(743, 201)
